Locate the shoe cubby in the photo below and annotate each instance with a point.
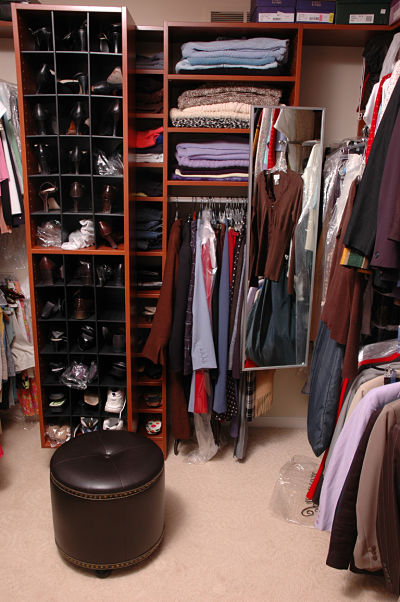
(44, 196)
(57, 403)
(76, 195)
(86, 402)
(41, 116)
(108, 197)
(112, 371)
(75, 156)
(80, 304)
(109, 272)
(74, 117)
(105, 34)
(42, 155)
(110, 304)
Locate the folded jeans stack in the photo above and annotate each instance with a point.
(149, 146)
(262, 56)
(148, 231)
(150, 61)
(221, 106)
(216, 160)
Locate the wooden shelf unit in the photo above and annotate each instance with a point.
(151, 39)
(112, 307)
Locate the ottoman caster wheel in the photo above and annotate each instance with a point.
(102, 574)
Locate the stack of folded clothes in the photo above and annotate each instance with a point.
(148, 228)
(149, 94)
(148, 280)
(222, 159)
(216, 106)
(149, 146)
(150, 61)
(258, 56)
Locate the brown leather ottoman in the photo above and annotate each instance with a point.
(107, 496)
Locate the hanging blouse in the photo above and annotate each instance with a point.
(276, 208)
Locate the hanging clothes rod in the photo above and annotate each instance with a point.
(207, 200)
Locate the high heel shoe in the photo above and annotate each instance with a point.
(40, 115)
(114, 38)
(46, 269)
(45, 80)
(76, 155)
(49, 202)
(76, 193)
(104, 273)
(82, 79)
(104, 87)
(42, 38)
(106, 232)
(108, 196)
(42, 155)
(57, 339)
(77, 39)
(79, 116)
(103, 43)
(111, 119)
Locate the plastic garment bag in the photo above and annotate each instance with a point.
(289, 495)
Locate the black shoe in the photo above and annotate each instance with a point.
(104, 273)
(42, 39)
(57, 402)
(45, 80)
(87, 338)
(118, 370)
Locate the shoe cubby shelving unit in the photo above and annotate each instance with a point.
(78, 120)
(149, 40)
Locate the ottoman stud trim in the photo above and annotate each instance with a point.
(105, 496)
(116, 565)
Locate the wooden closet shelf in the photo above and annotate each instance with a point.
(147, 115)
(147, 294)
(233, 78)
(172, 130)
(101, 250)
(148, 165)
(149, 71)
(206, 183)
(148, 253)
(146, 199)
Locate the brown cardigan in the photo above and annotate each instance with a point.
(154, 349)
(275, 213)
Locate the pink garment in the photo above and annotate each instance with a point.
(201, 397)
(3, 165)
(232, 234)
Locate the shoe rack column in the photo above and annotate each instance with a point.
(72, 71)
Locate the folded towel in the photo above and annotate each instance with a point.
(213, 163)
(220, 171)
(184, 65)
(250, 44)
(230, 60)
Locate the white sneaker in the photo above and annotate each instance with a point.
(113, 424)
(115, 401)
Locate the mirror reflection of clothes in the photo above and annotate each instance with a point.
(276, 208)
(271, 326)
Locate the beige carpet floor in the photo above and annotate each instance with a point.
(222, 541)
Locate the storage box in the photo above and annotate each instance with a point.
(315, 11)
(394, 14)
(362, 13)
(273, 11)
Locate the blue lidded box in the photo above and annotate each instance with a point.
(273, 11)
(315, 11)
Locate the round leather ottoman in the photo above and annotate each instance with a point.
(107, 496)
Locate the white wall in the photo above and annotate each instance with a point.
(156, 12)
(323, 67)
(7, 61)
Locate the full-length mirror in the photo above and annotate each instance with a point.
(284, 189)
